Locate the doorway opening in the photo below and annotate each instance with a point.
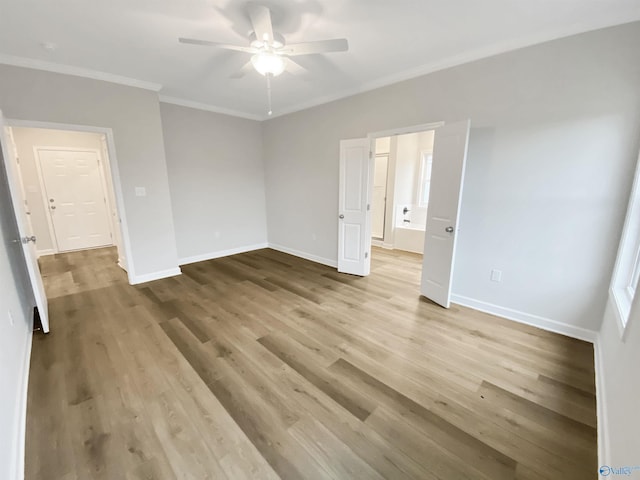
(425, 169)
(67, 189)
(400, 194)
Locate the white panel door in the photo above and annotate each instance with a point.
(354, 229)
(75, 198)
(447, 174)
(27, 240)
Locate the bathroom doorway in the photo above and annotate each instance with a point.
(400, 195)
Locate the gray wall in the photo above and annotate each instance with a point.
(216, 178)
(552, 151)
(16, 300)
(134, 116)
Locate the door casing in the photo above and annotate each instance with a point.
(115, 176)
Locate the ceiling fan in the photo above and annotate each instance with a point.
(270, 52)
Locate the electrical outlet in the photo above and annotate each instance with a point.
(496, 275)
(141, 192)
(217, 234)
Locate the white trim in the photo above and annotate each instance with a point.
(601, 405)
(21, 417)
(423, 127)
(527, 318)
(221, 253)
(46, 251)
(115, 176)
(77, 72)
(376, 243)
(209, 108)
(450, 62)
(627, 256)
(394, 78)
(150, 277)
(16, 157)
(306, 256)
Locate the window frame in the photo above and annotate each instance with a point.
(426, 157)
(624, 287)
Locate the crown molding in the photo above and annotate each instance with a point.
(450, 62)
(77, 72)
(209, 108)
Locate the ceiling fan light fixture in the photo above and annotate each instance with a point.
(268, 63)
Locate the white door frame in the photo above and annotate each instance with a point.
(390, 133)
(103, 183)
(115, 176)
(14, 147)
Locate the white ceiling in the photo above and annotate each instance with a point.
(389, 41)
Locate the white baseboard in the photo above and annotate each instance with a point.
(601, 405)
(48, 251)
(21, 418)
(527, 318)
(221, 253)
(150, 277)
(305, 255)
(376, 243)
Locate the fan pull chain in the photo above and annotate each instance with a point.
(269, 75)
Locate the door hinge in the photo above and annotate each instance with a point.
(366, 254)
(370, 154)
(368, 207)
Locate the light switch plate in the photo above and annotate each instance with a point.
(496, 275)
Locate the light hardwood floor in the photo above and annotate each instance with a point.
(263, 365)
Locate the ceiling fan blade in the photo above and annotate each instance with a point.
(247, 67)
(206, 43)
(294, 67)
(261, 21)
(322, 46)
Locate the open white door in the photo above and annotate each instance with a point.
(353, 208)
(28, 241)
(449, 157)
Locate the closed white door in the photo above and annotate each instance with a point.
(447, 174)
(354, 229)
(75, 198)
(24, 229)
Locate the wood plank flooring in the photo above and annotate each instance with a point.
(266, 366)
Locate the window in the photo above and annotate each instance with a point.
(426, 159)
(624, 283)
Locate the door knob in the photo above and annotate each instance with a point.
(26, 240)
(341, 216)
(449, 229)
